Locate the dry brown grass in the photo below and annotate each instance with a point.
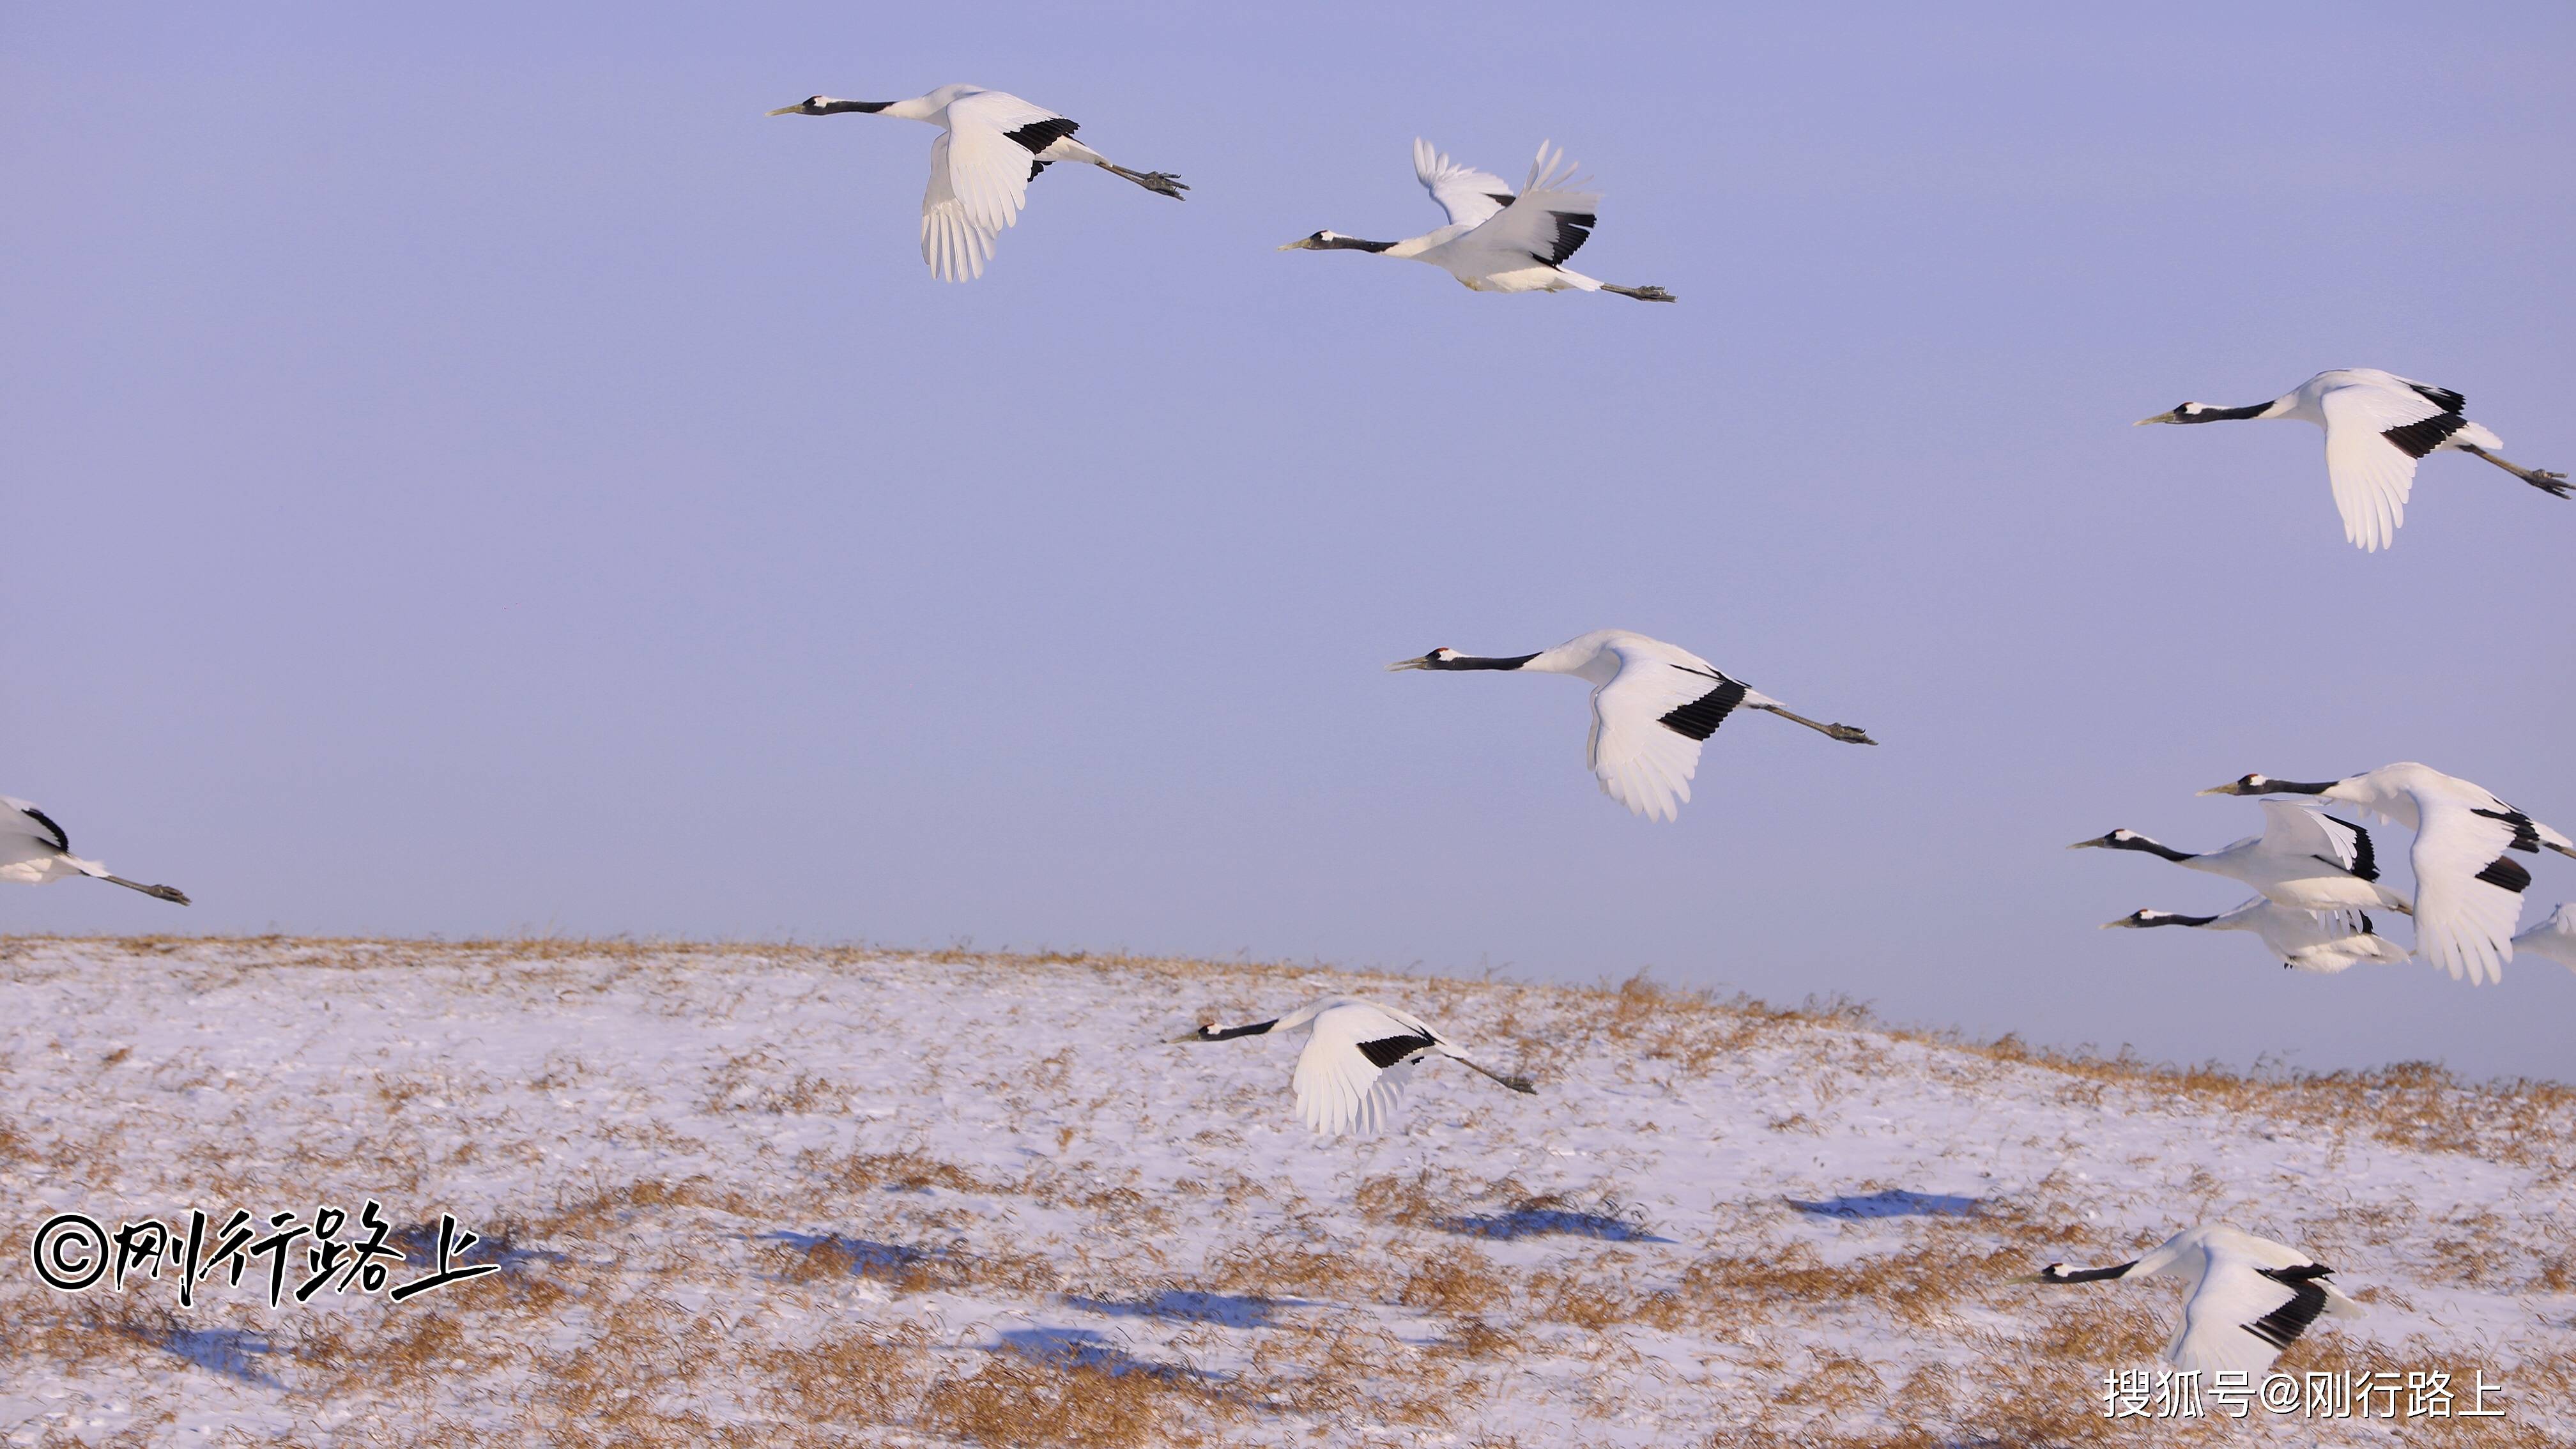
(1013, 1401)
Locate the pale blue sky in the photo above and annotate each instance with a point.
(470, 472)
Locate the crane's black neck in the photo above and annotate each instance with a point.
(1350, 244)
(2151, 847)
(834, 108)
(2177, 920)
(1465, 661)
(2224, 415)
(2055, 1273)
(1231, 1032)
(2293, 787)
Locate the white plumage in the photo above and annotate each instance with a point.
(1653, 704)
(2378, 426)
(36, 851)
(1358, 1057)
(2468, 889)
(2318, 941)
(1498, 240)
(2304, 859)
(991, 145)
(2244, 1298)
(2554, 938)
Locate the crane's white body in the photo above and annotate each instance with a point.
(2304, 859)
(2378, 426)
(2235, 1315)
(2316, 941)
(991, 145)
(2554, 938)
(1358, 1056)
(2468, 890)
(36, 851)
(1498, 240)
(1653, 704)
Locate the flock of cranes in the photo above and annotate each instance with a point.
(1654, 705)
(2318, 874)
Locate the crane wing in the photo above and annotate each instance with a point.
(2554, 938)
(1469, 196)
(2374, 434)
(1647, 725)
(22, 818)
(1548, 221)
(2243, 1314)
(951, 242)
(33, 849)
(2317, 941)
(2468, 891)
(979, 178)
(1352, 1073)
(2293, 829)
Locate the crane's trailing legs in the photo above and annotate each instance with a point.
(1161, 183)
(171, 894)
(1517, 1084)
(1642, 294)
(1848, 734)
(2554, 484)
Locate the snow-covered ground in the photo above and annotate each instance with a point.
(784, 1195)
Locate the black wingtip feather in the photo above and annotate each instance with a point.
(2282, 1326)
(1573, 229)
(62, 841)
(2442, 397)
(1039, 135)
(2365, 857)
(2507, 872)
(1700, 718)
(2417, 439)
(2526, 836)
(1387, 1051)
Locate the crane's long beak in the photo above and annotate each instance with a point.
(1186, 1036)
(2230, 788)
(2140, 423)
(1301, 244)
(786, 110)
(2107, 925)
(1420, 663)
(2085, 844)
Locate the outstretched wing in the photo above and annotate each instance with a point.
(1353, 1070)
(2374, 434)
(2243, 1317)
(1549, 220)
(2293, 829)
(979, 178)
(1647, 725)
(1469, 196)
(2468, 890)
(2254, 1299)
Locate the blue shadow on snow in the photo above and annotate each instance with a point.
(867, 1255)
(1084, 1348)
(1532, 1222)
(1223, 1309)
(1893, 1203)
